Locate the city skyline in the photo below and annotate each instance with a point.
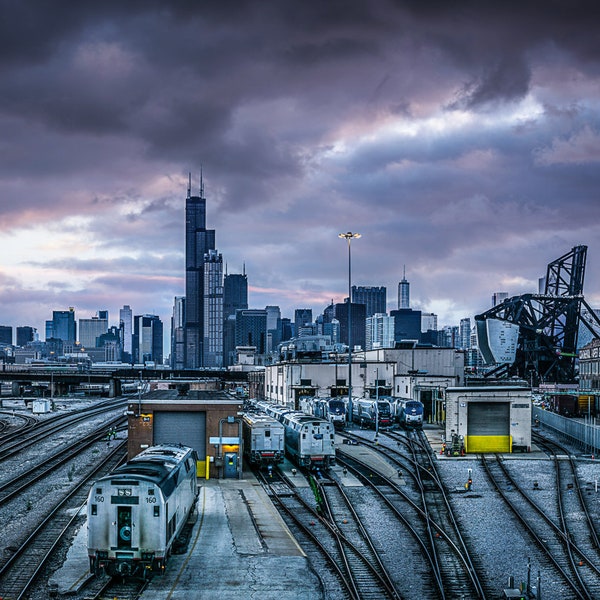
(461, 141)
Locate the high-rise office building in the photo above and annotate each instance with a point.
(251, 329)
(213, 310)
(235, 297)
(178, 334)
(358, 323)
(25, 335)
(465, 333)
(235, 293)
(91, 329)
(126, 327)
(63, 325)
(407, 324)
(374, 299)
(273, 327)
(6, 334)
(429, 322)
(498, 297)
(302, 316)
(198, 242)
(404, 292)
(380, 331)
(148, 339)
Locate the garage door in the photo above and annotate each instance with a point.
(186, 428)
(488, 427)
(488, 418)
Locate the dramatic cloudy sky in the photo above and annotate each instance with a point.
(461, 139)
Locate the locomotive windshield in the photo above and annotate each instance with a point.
(336, 406)
(383, 407)
(416, 408)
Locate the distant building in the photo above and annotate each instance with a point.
(178, 334)
(407, 324)
(91, 329)
(404, 293)
(63, 325)
(198, 242)
(213, 309)
(126, 326)
(379, 332)
(429, 322)
(374, 299)
(147, 339)
(235, 297)
(251, 329)
(498, 298)
(6, 334)
(25, 335)
(273, 327)
(358, 323)
(302, 316)
(465, 333)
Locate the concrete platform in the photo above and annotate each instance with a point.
(239, 548)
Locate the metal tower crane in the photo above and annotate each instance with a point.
(545, 349)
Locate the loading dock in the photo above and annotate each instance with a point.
(168, 417)
(489, 418)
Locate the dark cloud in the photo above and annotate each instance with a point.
(460, 138)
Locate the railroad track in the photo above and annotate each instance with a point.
(357, 576)
(19, 572)
(453, 573)
(573, 562)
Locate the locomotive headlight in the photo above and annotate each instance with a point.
(124, 492)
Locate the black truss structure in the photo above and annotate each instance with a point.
(548, 323)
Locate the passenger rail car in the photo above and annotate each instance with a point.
(409, 413)
(369, 412)
(264, 439)
(331, 409)
(309, 440)
(136, 513)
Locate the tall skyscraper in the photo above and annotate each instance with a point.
(148, 339)
(235, 293)
(251, 329)
(25, 335)
(126, 327)
(235, 297)
(465, 333)
(407, 324)
(302, 316)
(358, 323)
(404, 292)
(380, 331)
(91, 329)
(6, 334)
(198, 242)
(374, 299)
(178, 334)
(63, 325)
(213, 310)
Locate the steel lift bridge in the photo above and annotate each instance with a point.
(534, 336)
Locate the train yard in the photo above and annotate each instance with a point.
(391, 519)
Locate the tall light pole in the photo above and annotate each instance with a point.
(349, 236)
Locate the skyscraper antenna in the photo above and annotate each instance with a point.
(201, 184)
(244, 270)
(189, 185)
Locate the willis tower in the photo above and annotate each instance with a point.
(198, 242)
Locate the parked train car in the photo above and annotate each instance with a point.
(264, 439)
(136, 513)
(331, 409)
(369, 411)
(409, 413)
(309, 440)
